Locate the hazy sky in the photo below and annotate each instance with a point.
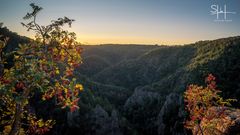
(130, 21)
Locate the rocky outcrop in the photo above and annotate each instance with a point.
(115, 124)
(229, 124)
(141, 110)
(73, 119)
(171, 116)
(140, 97)
(96, 122)
(103, 124)
(99, 119)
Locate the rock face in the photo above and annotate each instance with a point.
(171, 116)
(73, 119)
(103, 124)
(227, 125)
(141, 109)
(115, 124)
(97, 122)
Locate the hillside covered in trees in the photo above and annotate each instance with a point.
(138, 89)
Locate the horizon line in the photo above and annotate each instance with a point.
(158, 44)
(153, 44)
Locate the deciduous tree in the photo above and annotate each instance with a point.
(45, 66)
(199, 104)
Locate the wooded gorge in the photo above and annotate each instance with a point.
(138, 89)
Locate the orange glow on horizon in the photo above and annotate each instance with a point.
(96, 40)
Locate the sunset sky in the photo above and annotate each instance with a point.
(130, 21)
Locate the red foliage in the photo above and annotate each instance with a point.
(199, 100)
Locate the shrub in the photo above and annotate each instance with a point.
(199, 101)
(44, 66)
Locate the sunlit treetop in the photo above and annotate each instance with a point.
(44, 66)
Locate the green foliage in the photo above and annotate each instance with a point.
(165, 70)
(111, 73)
(43, 66)
(199, 100)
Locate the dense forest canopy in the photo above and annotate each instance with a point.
(137, 89)
(55, 85)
